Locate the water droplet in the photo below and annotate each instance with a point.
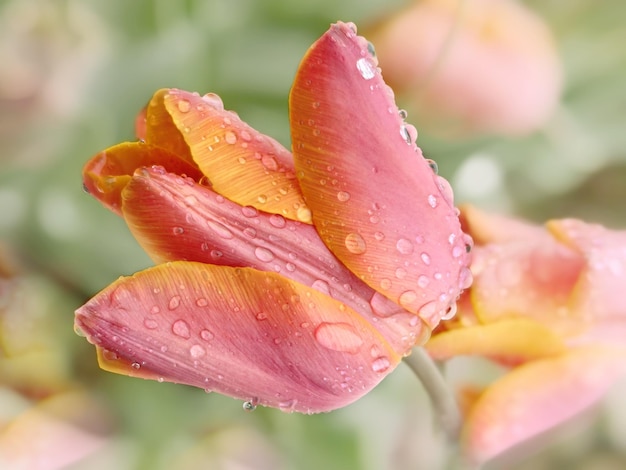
(405, 134)
(385, 284)
(136, 365)
(425, 258)
(465, 278)
(277, 220)
(174, 302)
(381, 364)
(178, 230)
(184, 106)
(196, 351)
(379, 236)
(220, 229)
(457, 251)
(181, 328)
(321, 286)
(366, 68)
(303, 214)
(404, 246)
(407, 298)
(450, 312)
(155, 309)
(202, 302)
(249, 405)
(269, 162)
(207, 335)
(355, 243)
(150, 324)
(262, 199)
(230, 137)
(214, 101)
(343, 196)
(249, 232)
(400, 273)
(432, 200)
(433, 165)
(403, 114)
(287, 406)
(263, 254)
(249, 211)
(423, 281)
(261, 316)
(371, 49)
(341, 337)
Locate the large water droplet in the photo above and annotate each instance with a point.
(230, 137)
(184, 106)
(214, 101)
(263, 254)
(197, 351)
(341, 337)
(366, 68)
(249, 405)
(355, 243)
(181, 328)
(404, 246)
(381, 364)
(450, 312)
(407, 298)
(174, 302)
(343, 196)
(277, 220)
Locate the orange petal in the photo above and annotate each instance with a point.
(375, 200)
(248, 334)
(538, 396)
(106, 174)
(242, 164)
(508, 341)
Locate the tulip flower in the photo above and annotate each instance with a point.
(291, 281)
(483, 66)
(547, 303)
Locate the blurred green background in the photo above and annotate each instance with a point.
(73, 75)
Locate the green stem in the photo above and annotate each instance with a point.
(441, 397)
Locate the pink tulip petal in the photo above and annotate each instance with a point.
(244, 333)
(508, 341)
(598, 296)
(375, 200)
(174, 218)
(530, 278)
(538, 396)
(241, 163)
(107, 173)
(487, 228)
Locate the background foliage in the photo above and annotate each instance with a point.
(74, 73)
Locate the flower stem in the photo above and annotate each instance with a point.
(441, 397)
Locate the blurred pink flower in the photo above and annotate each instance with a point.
(251, 300)
(548, 303)
(486, 66)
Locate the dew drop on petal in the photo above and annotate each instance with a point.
(355, 243)
(230, 137)
(423, 281)
(181, 328)
(202, 302)
(343, 196)
(150, 324)
(206, 335)
(263, 254)
(433, 165)
(450, 312)
(197, 351)
(249, 406)
(135, 365)
(277, 220)
(425, 258)
(407, 298)
(381, 364)
(178, 230)
(184, 106)
(341, 337)
(366, 68)
(261, 316)
(174, 302)
(432, 200)
(321, 285)
(404, 246)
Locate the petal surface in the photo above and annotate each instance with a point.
(241, 163)
(173, 218)
(106, 174)
(244, 333)
(375, 200)
(509, 341)
(538, 396)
